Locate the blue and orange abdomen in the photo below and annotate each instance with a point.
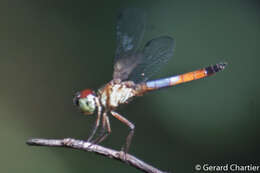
(186, 77)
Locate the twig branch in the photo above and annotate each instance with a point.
(86, 146)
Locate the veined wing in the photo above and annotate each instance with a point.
(156, 53)
(129, 34)
(131, 64)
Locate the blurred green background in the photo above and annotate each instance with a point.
(51, 49)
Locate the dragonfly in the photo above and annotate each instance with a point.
(133, 67)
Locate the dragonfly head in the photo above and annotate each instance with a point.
(85, 101)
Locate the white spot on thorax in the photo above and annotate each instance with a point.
(119, 94)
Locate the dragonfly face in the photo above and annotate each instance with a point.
(85, 101)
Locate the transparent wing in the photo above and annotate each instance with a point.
(129, 33)
(156, 53)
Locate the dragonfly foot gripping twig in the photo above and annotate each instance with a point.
(87, 146)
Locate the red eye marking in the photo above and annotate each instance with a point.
(85, 93)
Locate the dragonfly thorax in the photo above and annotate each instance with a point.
(85, 101)
(114, 94)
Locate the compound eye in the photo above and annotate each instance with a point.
(76, 99)
(87, 103)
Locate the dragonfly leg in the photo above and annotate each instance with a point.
(106, 129)
(130, 125)
(96, 124)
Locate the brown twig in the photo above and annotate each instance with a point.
(86, 146)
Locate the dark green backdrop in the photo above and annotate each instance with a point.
(50, 49)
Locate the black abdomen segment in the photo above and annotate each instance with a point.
(210, 70)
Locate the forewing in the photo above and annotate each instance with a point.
(156, 53)
(129, 33)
